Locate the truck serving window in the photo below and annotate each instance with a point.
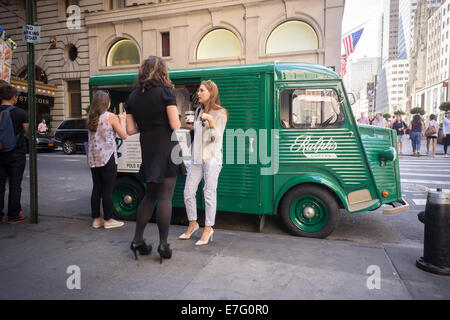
(310, 109)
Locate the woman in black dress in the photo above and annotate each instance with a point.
(152, 111)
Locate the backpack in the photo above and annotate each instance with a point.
(8, 140)
(430, 131)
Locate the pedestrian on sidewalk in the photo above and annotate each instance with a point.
(363, 119)
(446, 129)
(13, 159)
(102, 157)
(416, 129)
(206, 161)
(380, 121)
(152, 111)
(431, 132)
(400, 127)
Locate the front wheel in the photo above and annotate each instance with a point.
(69, 147)
(310, 211)
(127, 194)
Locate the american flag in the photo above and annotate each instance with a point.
(351, 40)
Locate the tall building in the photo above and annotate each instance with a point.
(418, 53)
(360, 72)
(390, 30)
(437, 61)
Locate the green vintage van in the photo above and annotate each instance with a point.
(292, 146)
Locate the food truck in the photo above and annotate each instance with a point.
(292, 146)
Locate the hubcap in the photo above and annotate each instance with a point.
(126, 200)
(308, 213)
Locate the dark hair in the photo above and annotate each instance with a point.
(7, 92)
(417, 121)
(99, 105)
(432, 117)
(153, 73)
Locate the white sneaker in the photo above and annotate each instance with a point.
(445, 156)
(113, 224)
(96, 224)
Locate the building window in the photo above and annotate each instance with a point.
(292, 36)
(219, 43)
(123, 52)
(74, 97)
(165, 44)
(117, 4)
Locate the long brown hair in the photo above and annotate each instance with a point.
(99, 105)
(153, 73)
(214, 100)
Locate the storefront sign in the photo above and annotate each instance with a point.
(43, 100)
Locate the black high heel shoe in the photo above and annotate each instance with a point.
(143, 248)
(164, 252)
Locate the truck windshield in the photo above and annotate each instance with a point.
(310, 108)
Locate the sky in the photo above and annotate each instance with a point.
(367, 12)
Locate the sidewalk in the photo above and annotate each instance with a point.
(237, 265)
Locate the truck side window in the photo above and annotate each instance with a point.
(310, 109)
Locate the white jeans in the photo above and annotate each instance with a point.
(210, 173)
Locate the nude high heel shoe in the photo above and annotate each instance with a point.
(184, 236)
(210, 237)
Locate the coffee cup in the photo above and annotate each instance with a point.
(189, 117)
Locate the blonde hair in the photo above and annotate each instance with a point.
(214, 100)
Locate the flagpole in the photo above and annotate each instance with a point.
(351, 30)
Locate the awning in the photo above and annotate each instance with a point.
(45, 93)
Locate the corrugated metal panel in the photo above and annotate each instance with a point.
(238, 188)
(348, 166)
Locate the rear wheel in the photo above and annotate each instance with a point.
(69, 147)
(127, 194)
(310, 211)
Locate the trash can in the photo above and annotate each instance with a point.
(436, 250)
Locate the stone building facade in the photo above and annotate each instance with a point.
(117, 35)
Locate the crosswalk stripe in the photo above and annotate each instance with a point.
(420, 202)
(425, 174)
(424, 181)
(403, 169)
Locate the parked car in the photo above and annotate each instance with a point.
(43, 143)
(71, 135)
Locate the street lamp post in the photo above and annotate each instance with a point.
(30, 12)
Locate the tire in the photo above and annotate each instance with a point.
(128, 192)
(321, 218)
(69, 147)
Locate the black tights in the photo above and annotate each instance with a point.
(161, 192)
(446, 142)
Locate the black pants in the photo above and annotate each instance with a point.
(12, 166)
(103, 179)
(446, 143)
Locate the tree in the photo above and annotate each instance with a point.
(421, 111)
(399, 113)
(445, 106)
(387, 116)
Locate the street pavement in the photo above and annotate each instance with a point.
(240, 264)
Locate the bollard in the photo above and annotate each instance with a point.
(436, 250)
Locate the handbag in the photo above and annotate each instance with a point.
(430, 131)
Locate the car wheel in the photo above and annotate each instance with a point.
(310, 211)
(127, 194)
(68, 147)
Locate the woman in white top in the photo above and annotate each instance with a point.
(206, 160)
(434, 136)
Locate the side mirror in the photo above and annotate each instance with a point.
(351, 98)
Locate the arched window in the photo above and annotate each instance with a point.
(219, 43)
(123, 52)
(292, 36)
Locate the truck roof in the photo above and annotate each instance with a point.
(283, 71)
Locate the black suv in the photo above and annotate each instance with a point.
(71, 135)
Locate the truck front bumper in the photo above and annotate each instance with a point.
(397, 207)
